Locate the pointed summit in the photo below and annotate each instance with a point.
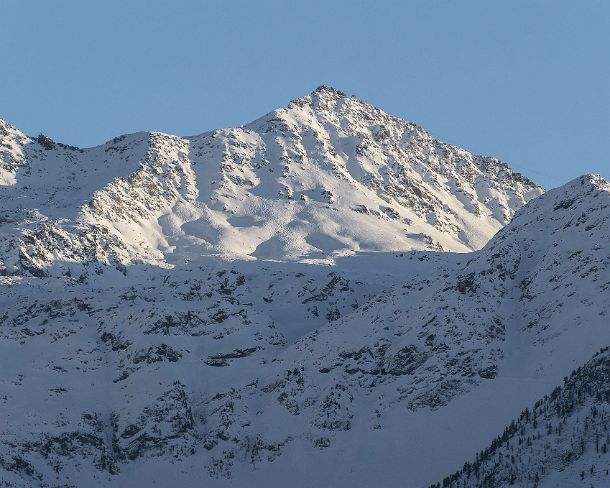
(328, 90)
(322, 92)
(328, 175)
(591, 179)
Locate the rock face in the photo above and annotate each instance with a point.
(172, 312)
(326, 176)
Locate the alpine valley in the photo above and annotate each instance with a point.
(326, 296)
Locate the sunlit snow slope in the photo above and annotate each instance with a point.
(326, 176)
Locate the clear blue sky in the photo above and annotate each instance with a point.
(527, 81)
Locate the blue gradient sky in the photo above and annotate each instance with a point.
(526, 81)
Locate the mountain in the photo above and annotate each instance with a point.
(328, 175)
(145, 340)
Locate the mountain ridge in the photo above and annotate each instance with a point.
(325, 176)
(162, 352)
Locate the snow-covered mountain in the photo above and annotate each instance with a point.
(328, 175)
(218, 311)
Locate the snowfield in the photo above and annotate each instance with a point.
(327, 176)
(326, 296)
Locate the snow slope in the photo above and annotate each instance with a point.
(146, 339)
(328, 175)
(561, 441)
(389, 368)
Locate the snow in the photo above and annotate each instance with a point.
(326, 176)
(315, 297)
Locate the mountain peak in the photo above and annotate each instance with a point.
(328, 91)
(327, 176)
(127, 266)
(322, 93)
(591, 179)
(579, 188)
